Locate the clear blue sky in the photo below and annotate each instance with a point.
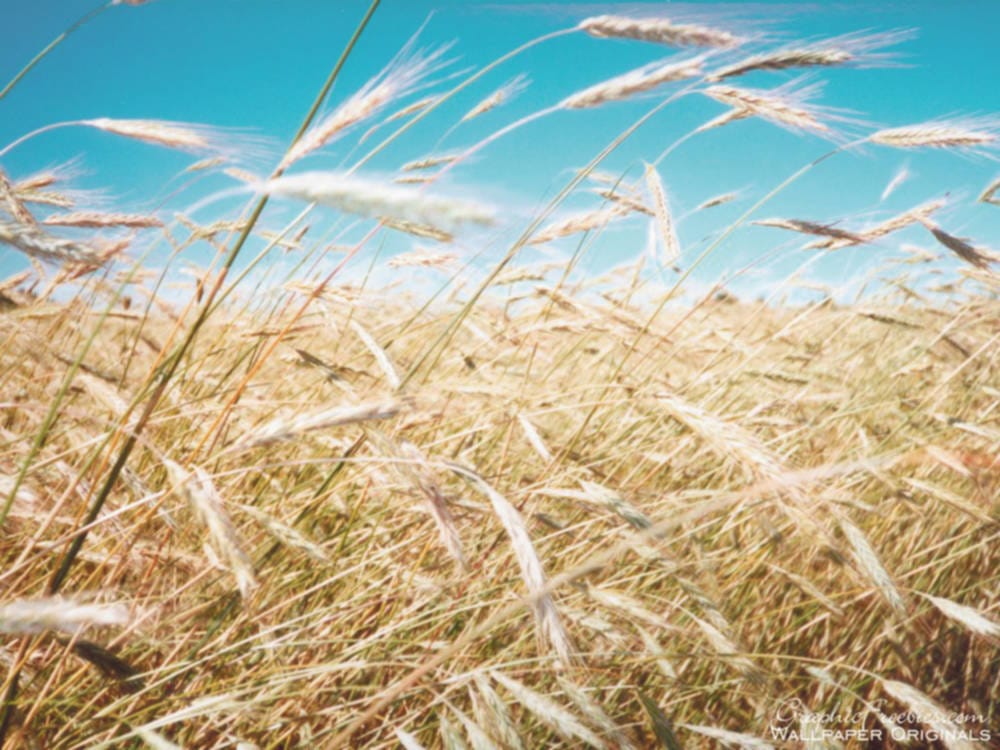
(257, 64)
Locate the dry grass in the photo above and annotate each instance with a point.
(971, 133)
(634, 82)
(659, 31)
(785, 106)
(551, 512)
(320, 638)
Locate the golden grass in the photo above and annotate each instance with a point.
(551, 512)
(361, 591)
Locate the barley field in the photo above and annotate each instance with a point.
(474, 496)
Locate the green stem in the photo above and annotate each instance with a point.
(52, 45)
(170, 366)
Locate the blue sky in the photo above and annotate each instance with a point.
(256, 65)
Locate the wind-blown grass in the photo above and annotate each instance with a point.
(554, 509)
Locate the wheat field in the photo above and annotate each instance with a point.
(523, 506)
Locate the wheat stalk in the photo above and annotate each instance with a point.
(631, 201)
(718, 200)
(658, 30)
(36, 182)
(913, 216)
(32, 189)
(810, 589)
(407, 740)
(733, 115)
(37, 244)
(613, 501)
(414, 179)
(380, 354)
(726, 438)
(409, 109)
(960, 246)
(242, 175)
(634, 82)
(728, 738)
(47, 198)
(501, 96)
(901, 176)
(287, 535)
(931, 714)
(619, 602)
(664, 219)
(527, 273)
(419, 230)
(424, 259)
(534, 439)
(492, 712)
(971, 618)
(785, 106)
(210, 162)
(548, 711)
(810, 227)
(971, 133)
(371, 198)
(654, 649)
(903, 220)
(450, 737)
(402, 75)
(429, 162)
(199, 490)
(870, 564)
(478, 738)
(413, 108)
(93, 219)
(420, 475)
(9, 196)
(987, 196)
(177, 135)
(280, 429)
(593, 711)
(57, 613)
(783, 60)
(546, 613)
(581, 222)
(852, 49)
(724, 646)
